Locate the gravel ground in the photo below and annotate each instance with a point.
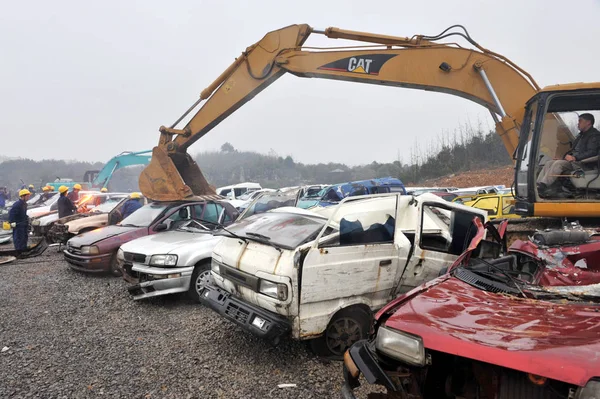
(73, 335)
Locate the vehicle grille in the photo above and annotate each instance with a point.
(74, 250)
(132, 257)
(237, 313)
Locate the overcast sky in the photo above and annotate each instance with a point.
(87, 80)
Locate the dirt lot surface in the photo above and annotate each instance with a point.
(71, 335)
(487, 177)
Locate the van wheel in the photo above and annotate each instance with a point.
(200, 277)
(344, 329)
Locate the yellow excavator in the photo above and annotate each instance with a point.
(535, 124)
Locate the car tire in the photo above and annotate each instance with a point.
(114, 269)
(345, 328)
(200, 277)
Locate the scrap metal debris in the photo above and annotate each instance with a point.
(32, 251)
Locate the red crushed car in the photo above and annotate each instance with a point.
(523, 325)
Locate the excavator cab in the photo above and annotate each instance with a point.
(548, 132)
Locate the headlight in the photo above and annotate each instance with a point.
(163, 260)
(35, 222)
(120, 254)
(274, 290)
(90, 250)
(400, 346)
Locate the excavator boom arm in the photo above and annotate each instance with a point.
(418, 62)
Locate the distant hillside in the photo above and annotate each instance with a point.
(481, 177)
(467, 149)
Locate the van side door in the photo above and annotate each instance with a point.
(356, 260)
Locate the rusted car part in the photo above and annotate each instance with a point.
(571, 259)
(496, 328)
(318, 275)
(36, 249)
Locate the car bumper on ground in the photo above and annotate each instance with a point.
(88, 263)
(361, 358)
(156, 281)
(251, 318)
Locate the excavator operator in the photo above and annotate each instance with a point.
(586, 145)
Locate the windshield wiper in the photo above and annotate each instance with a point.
(263, 240)
(129, 225)
(224, 229)
(511, 278)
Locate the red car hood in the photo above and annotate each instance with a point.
(555, 340)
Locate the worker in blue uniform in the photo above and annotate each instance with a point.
(132, 204)
(17, 216)
(66, 207)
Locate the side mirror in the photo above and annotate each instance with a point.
(161, 227)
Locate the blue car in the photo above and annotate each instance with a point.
(333, 194)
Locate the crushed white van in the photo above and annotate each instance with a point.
(320, 276)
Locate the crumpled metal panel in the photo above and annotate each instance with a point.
(566, 265)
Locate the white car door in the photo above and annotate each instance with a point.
(442, 232)
(358, 263)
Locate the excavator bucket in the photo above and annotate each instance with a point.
(173, 177)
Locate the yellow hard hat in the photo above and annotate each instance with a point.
(24, 192)
(77, 186)
(45, 188)
(31, 186)
(63, 189)
(50, 188)
(135, 195)
(104, 190)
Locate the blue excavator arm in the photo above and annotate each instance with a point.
(120, 161)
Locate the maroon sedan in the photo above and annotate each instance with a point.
(96, 251)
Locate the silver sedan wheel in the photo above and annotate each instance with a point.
(202, 279)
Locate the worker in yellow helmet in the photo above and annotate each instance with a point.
(46, 193)
(74, 194)
(17, 216)
(66, 207)
(31, 189)
(104, 190)
(132, 204)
